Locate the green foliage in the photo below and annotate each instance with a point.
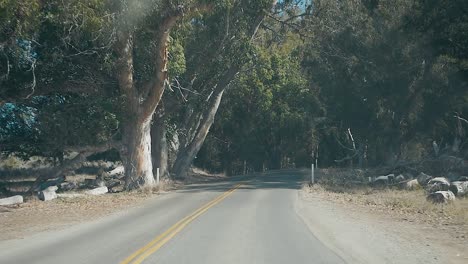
(265, 114)
(385, 73)
(53, 123)
(393, 72)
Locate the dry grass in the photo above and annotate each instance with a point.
(349, 186)
(407, 205)
(165, 185)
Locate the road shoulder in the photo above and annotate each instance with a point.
(361, 236)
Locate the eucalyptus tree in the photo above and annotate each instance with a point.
(219, 47)
(390, 72)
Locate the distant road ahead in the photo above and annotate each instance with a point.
(240, 221)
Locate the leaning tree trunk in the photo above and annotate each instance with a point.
(187, 155)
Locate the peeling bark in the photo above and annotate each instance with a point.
(159, 141)
(137, 159)
(141, 102)
(187, 154)
(186, 157)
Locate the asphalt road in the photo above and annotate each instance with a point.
(243, 220)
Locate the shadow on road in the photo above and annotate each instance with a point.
(282, 179)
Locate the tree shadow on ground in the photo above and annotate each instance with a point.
(287, 179)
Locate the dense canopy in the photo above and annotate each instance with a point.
(234, 85)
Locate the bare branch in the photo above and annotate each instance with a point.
(460, 118)
(33, 85)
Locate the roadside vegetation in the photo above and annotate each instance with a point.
(99, 96)
(410, 205)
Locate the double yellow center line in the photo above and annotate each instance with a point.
(140, 255)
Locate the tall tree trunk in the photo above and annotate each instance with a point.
(137, 161)
(142, 101)
(159, 141)
(141, 104)
(186, 155)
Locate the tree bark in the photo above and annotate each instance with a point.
(137, 158)
(141, 102)
(159, 141)
(187, 155)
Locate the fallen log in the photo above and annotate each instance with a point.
(70, 195)
(399, 178)
(17, 199)
(383, 180)
(68, 186)
(459, 188)
(71, 165)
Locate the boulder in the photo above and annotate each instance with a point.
(408, 175)
(438, 184)
(17, 199)
(441, 197)
(117, 171)
(459, 188)
(47, 195)
(98, 191)
(463, 178)
(113, 183)
(412, 185)
(399, 178)
(51, 189)
(423, 179)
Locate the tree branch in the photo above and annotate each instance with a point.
(157, 85)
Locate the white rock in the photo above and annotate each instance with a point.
(441, 197)
(17, 199)
(438, 184)
(440, 180)
(459, 188)
(413, 184)
(51, 189)
(98, 191)
(118, 170)
(70, 195)
(47, 195)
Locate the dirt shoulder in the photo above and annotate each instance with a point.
(378, 227)
(36, 216)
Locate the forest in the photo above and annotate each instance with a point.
(232, 86)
